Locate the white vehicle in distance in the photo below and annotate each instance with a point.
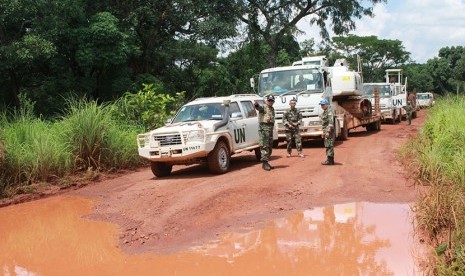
(425, 100)
(204, 130)
(389, 112)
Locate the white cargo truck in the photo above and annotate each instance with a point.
(341, 86)
(389, 111)
(204, 130)
(401, 97)
(425, 100)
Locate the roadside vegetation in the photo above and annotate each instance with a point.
(437, 159)
(89, 138)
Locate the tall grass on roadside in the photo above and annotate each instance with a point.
(32, 150)
(85, 127)
(120, 149)
(87, 137)
(96, 139)
(437, 158)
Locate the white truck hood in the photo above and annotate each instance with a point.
(307, 103)
(186, 127)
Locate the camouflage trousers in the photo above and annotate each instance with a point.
(293, 134)
(329, 144)
(265, 139)
(409, 118)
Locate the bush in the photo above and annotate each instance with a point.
(437, 157)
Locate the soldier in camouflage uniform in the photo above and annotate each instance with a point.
(327, 118)
(409, 110)
(292, 120)
(266, 117)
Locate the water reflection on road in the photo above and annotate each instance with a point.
(51, 237)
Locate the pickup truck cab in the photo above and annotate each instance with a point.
(207, 130)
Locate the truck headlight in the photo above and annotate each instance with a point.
(196, 136)
(147, 139)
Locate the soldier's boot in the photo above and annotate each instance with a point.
(266, 166)
(329, 161)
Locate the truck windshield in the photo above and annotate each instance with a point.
(198, 112)
(291, 82)
(423, 96)
(383, 90)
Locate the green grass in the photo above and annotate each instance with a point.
(87, 138)
(437, 158)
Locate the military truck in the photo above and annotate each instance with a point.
(425, 100)
(341, 86)
(205, 130)
(395, 78)
(389, 111)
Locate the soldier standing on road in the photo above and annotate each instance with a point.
(292, 120)
(266, 117)
(327, 118)
(409, 110)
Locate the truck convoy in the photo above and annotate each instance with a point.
(308, 84)
(206, 130)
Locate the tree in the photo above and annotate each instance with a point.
(273, 20)
(376, 54)
(441, 73)
(419, 77)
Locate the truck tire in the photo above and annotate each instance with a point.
(160, 169)
(345, 130)
(218, 159)
(344, 134)
(372, 126)
(258, 154)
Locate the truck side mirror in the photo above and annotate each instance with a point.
(252, 82)
(168, 121)
(236, 115)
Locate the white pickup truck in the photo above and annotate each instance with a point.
(204, 130)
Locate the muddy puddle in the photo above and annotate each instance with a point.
(51, 237)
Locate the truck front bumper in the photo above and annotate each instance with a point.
(176, 154)
(310, 132)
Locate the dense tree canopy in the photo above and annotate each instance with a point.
(272, 20)
(102, 49)
(376, 54)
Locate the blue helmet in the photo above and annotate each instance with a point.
(324, 102)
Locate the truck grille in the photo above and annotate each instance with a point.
(168, 139)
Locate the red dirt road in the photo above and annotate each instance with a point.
(192, 206)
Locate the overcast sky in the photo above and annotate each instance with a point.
(423, 26)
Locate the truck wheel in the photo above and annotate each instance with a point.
(218, 159)
(160, 169)
(258, 154)
(372, 126)
(393, 117)
(344, 134)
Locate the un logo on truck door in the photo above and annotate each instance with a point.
(397, 102)
(239, 135)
